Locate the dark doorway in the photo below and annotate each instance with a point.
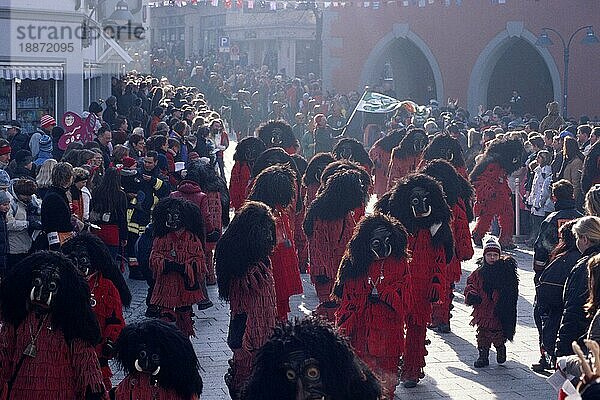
(521, 68)
(405, 72)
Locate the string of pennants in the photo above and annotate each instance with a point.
(279, 4)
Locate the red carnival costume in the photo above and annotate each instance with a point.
(311, 180)
(159, 363)
(493, 291)
(177, 261)
(276, 187)
(246, 151)
(246, 281)
(492, 194)
(418, 202)
(374, 286)
(108, 290)
(381, 154)
(329, 225)
(407, 156)
(48, 333)
(458, 194)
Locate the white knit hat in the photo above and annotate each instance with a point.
(492, 244)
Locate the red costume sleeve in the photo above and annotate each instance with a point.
(285, 259)
(213, 211)
(461, 232)
(399, 167)
(240, 176)
(491, 189)
(483, 314)
(381, 165)
(87, 369)
(328, 244)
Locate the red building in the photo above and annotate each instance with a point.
(478, 51)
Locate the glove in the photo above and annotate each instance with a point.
(172, 266)
(473, 299)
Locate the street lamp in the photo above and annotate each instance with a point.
(545, 41)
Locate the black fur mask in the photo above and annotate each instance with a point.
(250, 238)
(352, 150)
(344, 165)
(447, 148)
(412, 144)
(343, 192)
(277, 134)
(308, 360)
(455, 185)
(315, 168)
(160, 349)
(275, 186)
(37, 276)
(375, 236)
(392, 140)
(276, 156)
(173, 214)
(508, 153)
(89, 253)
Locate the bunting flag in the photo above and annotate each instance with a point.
(320, 4)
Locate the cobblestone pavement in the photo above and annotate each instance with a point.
(449, 372)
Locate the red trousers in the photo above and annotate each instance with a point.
(506, 220)
(414, 356)
(386, 368)
(441, 311)
(486, 336)
(326, 307)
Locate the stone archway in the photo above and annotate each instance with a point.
(491, 61)
(415, 71)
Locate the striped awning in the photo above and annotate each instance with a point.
(44, 72)
(89, 73)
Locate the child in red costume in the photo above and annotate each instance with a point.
(48, 332)
(418, 202)
(381, 153)
(275, 186)
(492, 194)
(245, 279)
(109, 292)
(329, 225)
(374, 289)
(493, 291)
(159, 363)
(407, 156)
(458, 193)
(246, 152)
(177, 261)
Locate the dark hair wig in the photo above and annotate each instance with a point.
(344, 376)
(249, 239)
(71, 311)
(274, 186)
(315, 168)
(178, 360)
(447, 148)
(358, 256)
(248, 149)
(101, 260)
(508, 153)
(359, 154)
(190, 216)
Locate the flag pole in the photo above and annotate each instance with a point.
(367, 88)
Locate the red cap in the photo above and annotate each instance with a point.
(129, 162)
(5, 150)
(47, 121)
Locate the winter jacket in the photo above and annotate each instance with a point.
(3, 245)
(34, 142)
(17, 223)
(574, 323)
(548, 237)
(43, 156)
(188, 190)
(571, 171)
(539, 198)
(548, 297)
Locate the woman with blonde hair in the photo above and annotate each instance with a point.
(44, 177)
(574, 322)
(592, 201)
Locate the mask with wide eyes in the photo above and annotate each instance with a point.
(304, 374)
(173, 221)
(419, 143)
(380, 243)
(276, 138)
(45, 285)
(147, 361)
(420, 203)
(345, 152)
(449, 155)
(82, 260)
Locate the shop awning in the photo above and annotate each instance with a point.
(44, 72)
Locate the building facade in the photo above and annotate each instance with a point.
(59, 56)
(283, 39)
(478, 52)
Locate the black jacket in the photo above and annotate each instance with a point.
(574, 323)
(3, 244)
(548, 237)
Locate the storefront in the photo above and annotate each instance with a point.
(28, 92)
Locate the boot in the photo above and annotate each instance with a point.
(501, 354)
(484, 358)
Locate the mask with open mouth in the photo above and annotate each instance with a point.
(345, 151)
(173, 221)
(380, 243)
(147, 361)
(420, 202)
(82, 260)
(44, 286)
